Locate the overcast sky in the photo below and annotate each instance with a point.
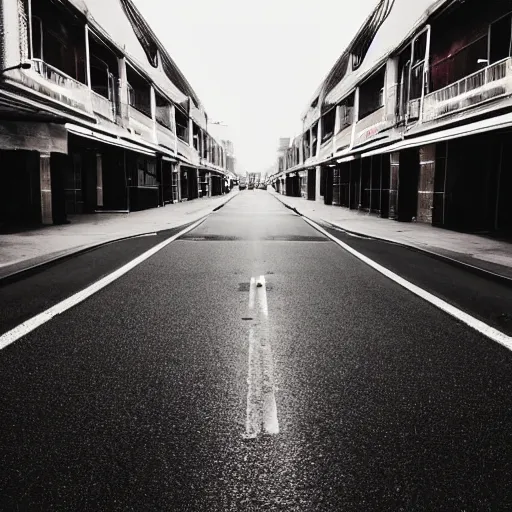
(255, 65)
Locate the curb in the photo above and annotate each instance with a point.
(452, 261)
(38, 267)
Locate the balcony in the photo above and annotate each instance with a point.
(370, 126)
(187, 152)
(103, 106)
(58, 86)
(141, 124)
(490, 83)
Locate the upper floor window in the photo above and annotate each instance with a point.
(371, 94)
(328, 121)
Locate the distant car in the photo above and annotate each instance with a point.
(242, 185)
(251, 186)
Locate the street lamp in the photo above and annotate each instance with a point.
(21, 65)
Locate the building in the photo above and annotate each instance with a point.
(94, 114)
(413, 122)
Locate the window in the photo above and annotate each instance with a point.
(500, 37)
(181, 125)
(146, 172)
(328, 122)
(163, 111)
(57, 39)
(346, 112)
(314, 138)
(139, 95)
(371, 94)
(37, 38)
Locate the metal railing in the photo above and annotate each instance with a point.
(464, 93)
(56, 75)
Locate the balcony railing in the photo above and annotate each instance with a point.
(66, 88)
(56, 76)
(489, 83)
(370, 126)
(102, 106)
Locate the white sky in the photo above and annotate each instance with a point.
(254, 65)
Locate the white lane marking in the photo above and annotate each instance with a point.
(261, 401)
(40, 319)
(460, 315)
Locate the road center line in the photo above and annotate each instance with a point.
(40, 319)
(474, 323)
(261, 400)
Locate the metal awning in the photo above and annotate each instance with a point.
(486, 125)
(106, 139)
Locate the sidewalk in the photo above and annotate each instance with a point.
(482, 252)
(30, 248)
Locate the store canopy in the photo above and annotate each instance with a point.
(106, 139)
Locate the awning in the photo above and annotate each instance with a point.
(487, 125)
(113, 141)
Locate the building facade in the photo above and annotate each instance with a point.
(94, 114)
(414, 120)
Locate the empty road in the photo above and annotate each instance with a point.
(254, 364)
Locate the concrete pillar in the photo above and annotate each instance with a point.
(15, 45)
(393, 184)
(356, 117)
(426, 183)
(99, 180)
(319, 136)
(209, 184)
(152, 99)
(87, 57)
(190, 132)
(177, 169)
(391, 89)
(123, 93)
(318, 179)
(45, 180)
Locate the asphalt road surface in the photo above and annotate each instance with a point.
(253, 364)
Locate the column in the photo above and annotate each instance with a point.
(209, 184)
(123, 93)
(391, 88)
(99, 180)
(318, 180)
(46, 188)
(319, 136)
(87, 57)
(393, 185)
(356, 116)
(190, 132)
(177, 169)
(152, 99)
(426, 183)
